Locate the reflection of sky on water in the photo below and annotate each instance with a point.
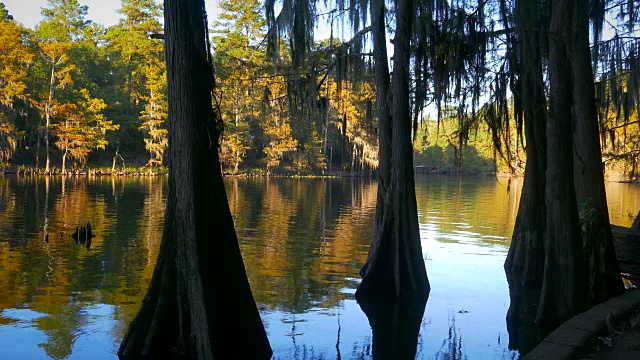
(21, 339)
(466, 288)
(18, 339)
(303, 242)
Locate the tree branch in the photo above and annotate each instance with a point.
(358, 34)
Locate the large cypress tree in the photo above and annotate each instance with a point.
(526, 256)
(395, 266)
(604, 273)
(563, 290)
(563, 217)
(199, 304)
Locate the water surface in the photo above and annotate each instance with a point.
(303, 243)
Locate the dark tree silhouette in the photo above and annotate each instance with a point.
(524, 335)
(604, 272)
(199, 304)
(563, 289)
(563, 217)
(526, 258)
(394, 266)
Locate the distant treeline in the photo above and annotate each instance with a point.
(74, 93)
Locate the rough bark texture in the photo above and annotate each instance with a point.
(526, 253)
(563, 291)
(604, 273)
(199, 304)
(395, 266)
(383, 107)
(395, 326)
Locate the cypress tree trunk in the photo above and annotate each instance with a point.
(199, 304)
(604, 273)
(395, 266)
(525, 260)
(563, 291)
(384, 116)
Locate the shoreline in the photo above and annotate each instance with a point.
(137, 172)
(164, 171)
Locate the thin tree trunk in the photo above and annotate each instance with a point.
(39, 132)
(199, 304)
(563, 291)
(47, 114)
(113, 164)
(237, 161)
(325, 118)
(353, 158)
(604, 272)
(64, 160)
(129, 83)
(395, 266)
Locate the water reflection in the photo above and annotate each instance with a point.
(395, 326)
(303, 243)
(64, 283)
(524, 335)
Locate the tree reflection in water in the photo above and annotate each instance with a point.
(303, 240)
(395, 325)
(524, 335)
(451, 348)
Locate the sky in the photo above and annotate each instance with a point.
(104, 12)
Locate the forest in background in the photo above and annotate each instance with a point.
(75, 94)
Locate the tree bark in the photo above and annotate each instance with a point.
(199, 303)
(525, 260)
(384, 117)
(563, 291)
(395, 266)
(604, 273)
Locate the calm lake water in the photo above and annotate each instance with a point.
(303, 242)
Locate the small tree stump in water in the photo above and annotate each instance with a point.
(89, 235)
(76, 235)
(83, 235)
